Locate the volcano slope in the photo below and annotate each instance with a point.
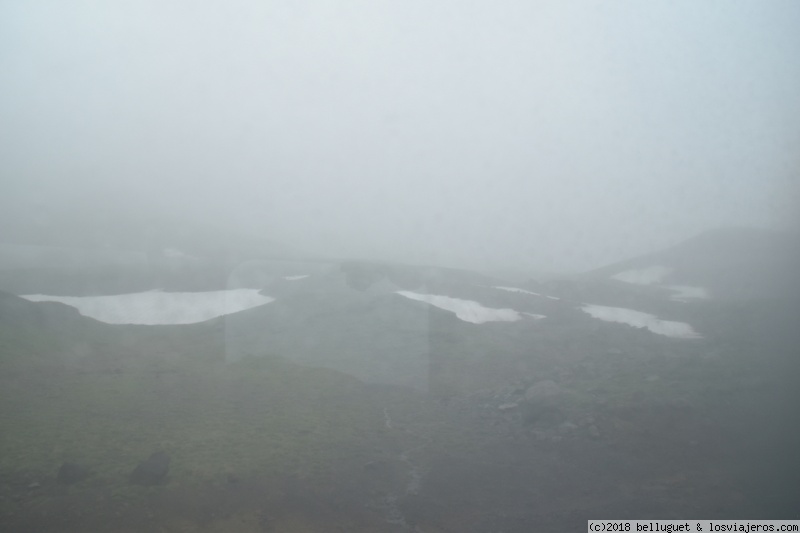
(347, 405)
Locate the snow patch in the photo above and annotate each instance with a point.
(685, 293)
(655, 275)
(295, 278)
(523, 291)
(643, 276)
(158, 307)
(466, 310)
(640, 319)
(534, 315)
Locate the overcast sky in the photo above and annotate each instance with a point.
(537, 134)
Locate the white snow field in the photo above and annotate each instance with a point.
(643, 276)
(535, 315)
(466, 310)
(160, 308)
(523, 291)
(685, 293)
(295, 278)
(640, 319)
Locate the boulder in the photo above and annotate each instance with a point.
(542, 415)
(543, 390)
(152, 471)
(542, 407)
(71, 473)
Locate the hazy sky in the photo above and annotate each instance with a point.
(546, 134)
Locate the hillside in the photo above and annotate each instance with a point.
(400, 398)
(76, 253)
(729, 264)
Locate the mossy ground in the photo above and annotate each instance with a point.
(264, 444)
(259, 418)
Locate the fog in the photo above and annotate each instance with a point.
(533, 135)
(228, 233)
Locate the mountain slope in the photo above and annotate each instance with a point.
(568, 411)
(729, 264)
(63, 252)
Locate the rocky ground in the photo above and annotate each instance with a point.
(542, 455)
(148, 429)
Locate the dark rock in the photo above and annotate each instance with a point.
(541, 414)
(153, 471)
(71, 473)
(546, 389)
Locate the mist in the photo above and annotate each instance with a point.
(527, 135)
(398, 266)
